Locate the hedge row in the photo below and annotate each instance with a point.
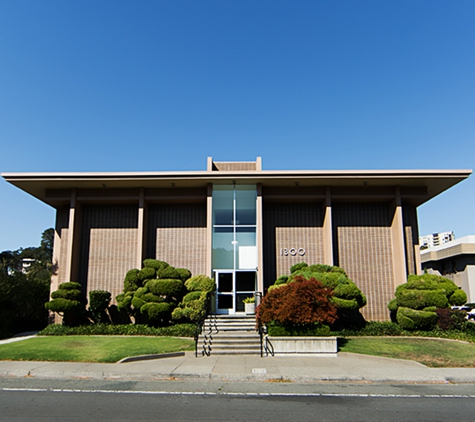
(374, 328)
(178, 330)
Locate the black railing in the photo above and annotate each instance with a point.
(266, 346)
(198, 331)
(209, 327)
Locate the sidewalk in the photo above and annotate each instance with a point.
(345, 367)
(341, 367)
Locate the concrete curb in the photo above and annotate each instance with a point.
(151, 357)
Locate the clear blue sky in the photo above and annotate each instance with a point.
(160, 85)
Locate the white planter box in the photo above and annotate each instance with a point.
(250, 308)
(304, 345)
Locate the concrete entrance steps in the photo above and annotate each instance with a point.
(230, 335)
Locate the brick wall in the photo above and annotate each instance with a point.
(363, 246)
(177, 234)
(108, 246)
(291, 225)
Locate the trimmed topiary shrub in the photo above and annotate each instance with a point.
(156, 294)
(417, 301)
(68, 303)
(99, 301)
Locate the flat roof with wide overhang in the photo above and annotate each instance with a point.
(417, 186)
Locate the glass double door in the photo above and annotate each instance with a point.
(232, 288)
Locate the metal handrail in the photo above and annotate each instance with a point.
(208, 337)
(267, 348)
(197, 332)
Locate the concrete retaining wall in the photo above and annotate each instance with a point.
(304, 345)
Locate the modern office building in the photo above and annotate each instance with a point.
(435, 239)
(240, 224)
(454, 260)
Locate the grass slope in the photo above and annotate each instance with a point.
(90, 348)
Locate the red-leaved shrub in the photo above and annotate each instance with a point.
(298, 303)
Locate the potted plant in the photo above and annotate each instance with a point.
(250, 305)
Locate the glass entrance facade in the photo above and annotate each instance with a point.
(234, 257)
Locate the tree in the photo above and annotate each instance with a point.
(23, 292)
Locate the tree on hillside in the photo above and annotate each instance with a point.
(23, 291)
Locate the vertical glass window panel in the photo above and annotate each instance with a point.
(223, 199)
(246, 248)
(223, 248)
(246, 197)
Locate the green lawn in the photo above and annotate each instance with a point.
(431, 352)
(91, 348)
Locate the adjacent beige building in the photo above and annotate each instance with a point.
(241, 224)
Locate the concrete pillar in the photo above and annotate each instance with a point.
(209, 231)
(71, 237)
(141, 229)
(327, 229)
(259, 234)
(397, 233)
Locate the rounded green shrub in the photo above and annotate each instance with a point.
(67, 294)
(183, 273)
(191, 296)
(69, 285)
(168, 288)
(168, 273)
(147, 273)
(155, 264)
(61, 305)
(131, 281)
(157, 311)
(150, 297)
(298, 267)
(200, 283)
(458, 298)
(411, 319)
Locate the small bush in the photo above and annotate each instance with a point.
(99, 300)
(299, 303)
(448, 319)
